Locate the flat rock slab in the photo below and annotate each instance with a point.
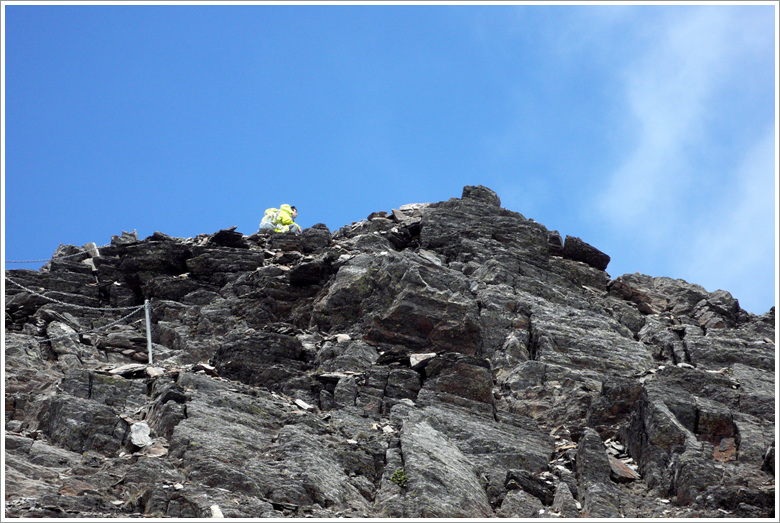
(442, 481)
(577, 250)
(621, 472)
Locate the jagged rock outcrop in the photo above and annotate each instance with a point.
(449, 359)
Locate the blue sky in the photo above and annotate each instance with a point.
(649, 131)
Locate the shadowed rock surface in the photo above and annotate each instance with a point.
(449, 359)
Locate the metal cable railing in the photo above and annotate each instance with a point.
(136, 308)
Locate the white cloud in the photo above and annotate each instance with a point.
(712, 221)
(738, 247)
(688, 187)
(668, 91)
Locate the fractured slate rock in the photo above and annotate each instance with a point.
(228, 238)
(564, 502)
(259, 358)
(577, 250)
(405, 365)
(532, 484)
(458, 380)
(520, 504)
(442, 481)
(495, 447)
(600, 497)
(482, 195)
(80, 425)
(316, 238)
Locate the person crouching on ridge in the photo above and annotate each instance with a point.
(281, 219)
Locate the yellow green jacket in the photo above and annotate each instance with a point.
(281, 218)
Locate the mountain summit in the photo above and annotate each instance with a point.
(449, 359)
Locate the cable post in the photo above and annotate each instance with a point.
(148, 330)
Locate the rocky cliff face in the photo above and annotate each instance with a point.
(450, 359)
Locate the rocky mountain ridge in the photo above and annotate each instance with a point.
(449, 359)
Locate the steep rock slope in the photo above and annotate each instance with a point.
(451, 359)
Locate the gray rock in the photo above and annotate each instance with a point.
(216, 265)
(315, 238)
(404, 366)
(259, 358)
(23, 351)
(228, 238)
(442, 482)
(345, 393)
(459, 380)
(494, 447)
(156, 254)
(577, 250)
(520, 504)
(65, 341)
(115, 391)
(139, 435)
(168, 287)
(578, 339)
(614, 405)
(80, 425)
(538, 487)
(564, 502)
(125, 238)
(482, 195)
(599, 496)
(768, 464)
(555, 243)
